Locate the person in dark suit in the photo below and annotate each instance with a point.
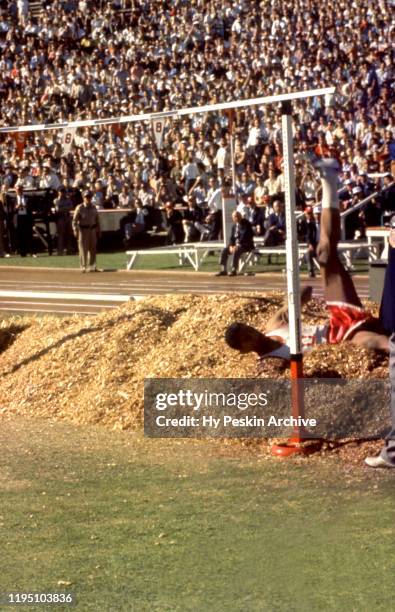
(387, 196)
(241, 241)
(175, 230)
(192, 221)
(275, 226)
(256, 216)
(308, 233)
(387, 317)
(133, 224)
(24, 223)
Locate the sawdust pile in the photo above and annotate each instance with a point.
(90, 369)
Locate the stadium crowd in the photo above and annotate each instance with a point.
(80, 60)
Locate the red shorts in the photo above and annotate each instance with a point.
(344, 319)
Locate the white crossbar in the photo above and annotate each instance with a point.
(297, 95)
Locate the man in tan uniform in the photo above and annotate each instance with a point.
(86, 228)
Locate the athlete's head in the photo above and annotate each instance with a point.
(247, 339)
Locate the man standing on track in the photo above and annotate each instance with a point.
(86, 228)
(387, 315)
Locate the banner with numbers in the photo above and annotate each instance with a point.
(158, 126)
(67, 139)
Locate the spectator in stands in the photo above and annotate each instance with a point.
(273, 183)
(241, 241)
(126, 197)
(99, 196)
(189, 173)
(317, 219)
(173, 217)
(246, 186)
(260, 191)
(23, 10)
(309, 186)
(193, 221)
(222, 157)
(242, 206)
(160, 56)
(254, 141)
(365, 184)
(256, 216)
(111, 192)
(214, 204)
(25, 179)
(49, 179)
(388, 196)
(355, 226)
(372, 213)
(132, 225)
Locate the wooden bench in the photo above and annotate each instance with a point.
(194, 253)
(185, 253)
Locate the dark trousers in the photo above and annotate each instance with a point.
(273, 237)
(216, 226)
(234, 257)
(388, 452)
(310, 260)
(65, 234)
(2, 246)
(24, 231)
(175, 234)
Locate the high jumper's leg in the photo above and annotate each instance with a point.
(338, 285)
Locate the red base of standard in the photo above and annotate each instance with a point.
(296, 447)
(299, 443)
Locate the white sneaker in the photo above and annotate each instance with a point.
(378, 462)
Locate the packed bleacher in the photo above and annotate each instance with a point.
(78, 60)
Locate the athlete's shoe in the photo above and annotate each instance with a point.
(326, 163)
(378, 462)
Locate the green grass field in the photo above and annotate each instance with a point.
(117, 261)
(132, 524)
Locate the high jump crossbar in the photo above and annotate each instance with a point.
(289, 97)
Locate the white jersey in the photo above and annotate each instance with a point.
(312, 335)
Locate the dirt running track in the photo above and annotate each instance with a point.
(63, 291)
